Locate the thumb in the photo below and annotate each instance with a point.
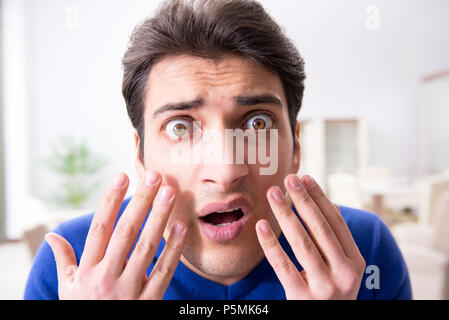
(65, 258)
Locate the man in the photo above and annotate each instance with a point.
(199, 229)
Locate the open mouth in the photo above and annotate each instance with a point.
(222, 222)
(224, 218)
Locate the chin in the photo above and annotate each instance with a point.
(223, 262)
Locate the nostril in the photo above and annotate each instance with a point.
(223, 176)
(223, 185)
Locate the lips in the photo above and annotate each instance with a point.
(238, 203)
(223, 221)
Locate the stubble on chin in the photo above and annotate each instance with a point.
(227, 260)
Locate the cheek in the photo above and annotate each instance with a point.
(157, 152)
(179, 176)
(263, 182)
(276, 162)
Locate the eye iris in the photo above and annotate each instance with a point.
(179, 129)
(259, 124)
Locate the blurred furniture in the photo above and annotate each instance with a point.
(42, 219)
(435, 187)
(33, 237)
(372, 182)
(344, 189)
(333, 147)
(425, 245)
(379, 191)
(433, 131)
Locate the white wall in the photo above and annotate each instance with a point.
(14, 108)
(373, 73)
(73, 72)
(435, 118)
(74, 60)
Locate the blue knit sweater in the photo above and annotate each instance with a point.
(373, 238)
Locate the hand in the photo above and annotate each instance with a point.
(333, 266)
(104, 271)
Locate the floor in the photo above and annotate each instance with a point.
(14, 268)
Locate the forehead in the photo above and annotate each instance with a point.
(187, 77)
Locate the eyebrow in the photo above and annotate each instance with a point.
(251, 100)
(189, 105)
(258, 99)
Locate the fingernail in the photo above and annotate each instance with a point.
(119, 181)
(308, 181)
(47, 238)
(264, 226)
(166, 194)
(151, 178)
(178, 228)
(276, 194)
(294, 182)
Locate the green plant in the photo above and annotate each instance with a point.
(76, 166)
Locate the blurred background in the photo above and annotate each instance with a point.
(375, 117)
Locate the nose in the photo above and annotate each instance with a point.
(220, 173)
(223, 176)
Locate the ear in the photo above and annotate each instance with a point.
(138, 160)
(297, 149)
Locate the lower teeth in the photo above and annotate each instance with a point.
(222, 224)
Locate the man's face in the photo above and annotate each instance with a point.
(223, 246)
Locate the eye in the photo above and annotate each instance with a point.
(178, 128)
(259, 122)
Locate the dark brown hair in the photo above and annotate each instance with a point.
(208, 29)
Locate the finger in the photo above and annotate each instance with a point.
(302, 245)
(151, 235)
(333, 216)
(314, 220)
(285, 270)
(166, 265)
(103, 222)
(65, 257)
(129, 224)
(337, 207)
